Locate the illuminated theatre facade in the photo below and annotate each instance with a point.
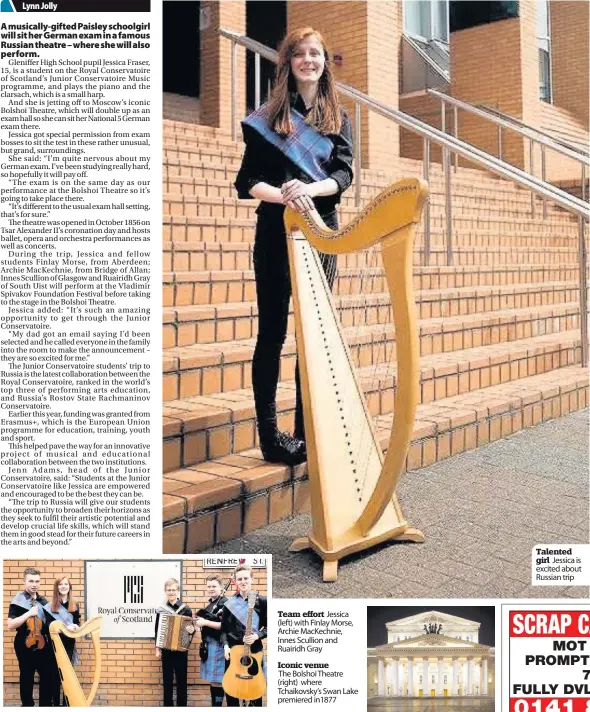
(431, 654)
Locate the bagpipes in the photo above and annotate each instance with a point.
(211, 616)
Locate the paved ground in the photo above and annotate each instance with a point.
(481, 512)
(431, 704)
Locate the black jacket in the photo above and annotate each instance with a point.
(263, 163)
(233, 630)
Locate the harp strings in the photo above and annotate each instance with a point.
(363, 295)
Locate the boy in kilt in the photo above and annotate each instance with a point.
(213, 667)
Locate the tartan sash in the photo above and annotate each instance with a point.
(238, 607)
(66, 618)
(304, 146)
(27, 603)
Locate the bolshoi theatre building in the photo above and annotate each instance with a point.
(432, 654)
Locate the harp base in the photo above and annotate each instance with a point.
(331, 558)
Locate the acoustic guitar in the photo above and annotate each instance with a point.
(244, 678)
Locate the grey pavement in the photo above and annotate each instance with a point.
(431, 704)
(481, 513)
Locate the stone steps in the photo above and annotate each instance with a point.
(209, 168)
(226, 496)
(203, 324)
(463, 214)
(221, 419)
(177, 184)
(222, 286)
(498, 333)
(207, 228)
(182, 256)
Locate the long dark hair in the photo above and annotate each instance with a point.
(56, 599)
(325, 112)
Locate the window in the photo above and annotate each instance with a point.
(471, 14)
(544, 45)
(427, 19)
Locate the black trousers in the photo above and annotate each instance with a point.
(175, 662)
(31, 661)
(235, 702)
(273, 293)
(57, 699)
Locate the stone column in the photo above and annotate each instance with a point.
(484, 675)
(387, 678)
(380, 681)
(395, 676)
(410, 677)
(464, 678)
(470, 676)
(455, 676)
(425, 684)
(440, 677)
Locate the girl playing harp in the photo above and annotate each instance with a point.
(298, 153)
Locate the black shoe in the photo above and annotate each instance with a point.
(284, 448)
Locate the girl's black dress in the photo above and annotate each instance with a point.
(265, 163)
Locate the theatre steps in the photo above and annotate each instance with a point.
(498, 331)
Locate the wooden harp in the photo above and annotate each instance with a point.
(73, 692)
(352, 486)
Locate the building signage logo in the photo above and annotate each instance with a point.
(132, 589)
(127, 593)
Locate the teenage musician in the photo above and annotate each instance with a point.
(26, 609)
(298, 153)
(62, 607)
(174, 662)
(233, 623)
(213, 667)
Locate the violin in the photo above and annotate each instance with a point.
(35, 636)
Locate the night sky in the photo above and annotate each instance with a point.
(378, 616)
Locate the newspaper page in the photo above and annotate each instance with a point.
(362, 333)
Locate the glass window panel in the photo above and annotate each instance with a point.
(439, 15)
(542, 18)
(417, 17)
(544, 76)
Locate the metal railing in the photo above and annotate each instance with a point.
(534, 136)
(562, 142)
(450, 145)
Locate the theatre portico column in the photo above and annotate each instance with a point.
(455, 676)
(470, 676)
(395, 676)
(484, 675)
(425, 684)
(380, 681)
(464, 678)
(440, 679)
(410, 677)
(388, 678)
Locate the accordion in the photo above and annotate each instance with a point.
(172, 633)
